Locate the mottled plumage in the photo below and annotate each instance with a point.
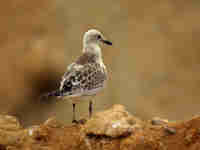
(84, 77)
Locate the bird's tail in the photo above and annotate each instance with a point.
(56, 93)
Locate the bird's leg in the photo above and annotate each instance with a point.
(74, 115)
(90, 108)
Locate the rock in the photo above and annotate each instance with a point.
(10, 130)
(158, 121)
(9, 123)
(53, 123)
(114, 122)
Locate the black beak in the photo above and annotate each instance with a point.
(107, 42)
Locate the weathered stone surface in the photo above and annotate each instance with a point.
(114, 122)
(111, 129)
(10, 130)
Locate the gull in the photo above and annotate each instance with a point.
(86, 76)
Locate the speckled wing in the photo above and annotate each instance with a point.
(83, 78)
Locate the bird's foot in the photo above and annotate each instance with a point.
(75, 121)
(82, 121)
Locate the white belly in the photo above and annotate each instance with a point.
(86, 96)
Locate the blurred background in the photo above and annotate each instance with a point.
(153, 64)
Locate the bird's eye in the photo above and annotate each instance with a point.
(99, 37)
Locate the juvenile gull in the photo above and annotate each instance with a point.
(87, 75)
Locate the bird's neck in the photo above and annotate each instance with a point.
(93, 49)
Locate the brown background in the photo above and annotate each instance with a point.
(153, 65)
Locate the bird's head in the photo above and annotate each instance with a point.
(93, 36)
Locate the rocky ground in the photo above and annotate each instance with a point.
(112, 129)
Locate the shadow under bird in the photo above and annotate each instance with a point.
(86, 76)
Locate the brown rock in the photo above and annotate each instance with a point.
(10, 130)
(114, 122)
